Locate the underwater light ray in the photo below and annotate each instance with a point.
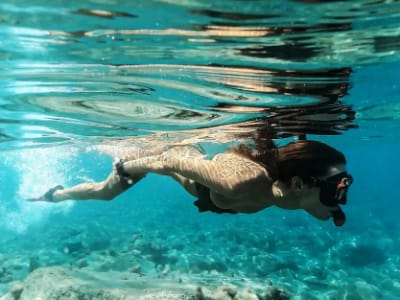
(37, 169)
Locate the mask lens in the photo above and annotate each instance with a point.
(328, 193)
(341, 190)
(333, 192)
(340, 194)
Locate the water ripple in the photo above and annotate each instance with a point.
(96, 70)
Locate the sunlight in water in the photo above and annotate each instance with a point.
(37, 171)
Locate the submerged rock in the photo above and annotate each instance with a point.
(33, 263)
(58, 283)
(276, 294)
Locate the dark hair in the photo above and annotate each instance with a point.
(307, 159)
(304, 158)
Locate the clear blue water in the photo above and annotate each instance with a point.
(76, 76)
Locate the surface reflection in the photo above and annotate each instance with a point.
(115, 70)
(327, 115)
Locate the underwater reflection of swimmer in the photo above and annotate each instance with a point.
(323, 112)
(303, 174)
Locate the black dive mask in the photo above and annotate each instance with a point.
(333, 190)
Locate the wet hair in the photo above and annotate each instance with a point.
(306, 159)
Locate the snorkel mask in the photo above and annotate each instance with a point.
(333, 191)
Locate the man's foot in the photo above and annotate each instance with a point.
(48, 196)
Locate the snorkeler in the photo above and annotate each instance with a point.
(304, 174)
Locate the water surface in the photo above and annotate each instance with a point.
(103, 69)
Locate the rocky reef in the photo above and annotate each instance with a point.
(58, 283)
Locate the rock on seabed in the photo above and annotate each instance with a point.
(60, 283)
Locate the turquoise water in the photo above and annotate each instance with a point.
(81, 80)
